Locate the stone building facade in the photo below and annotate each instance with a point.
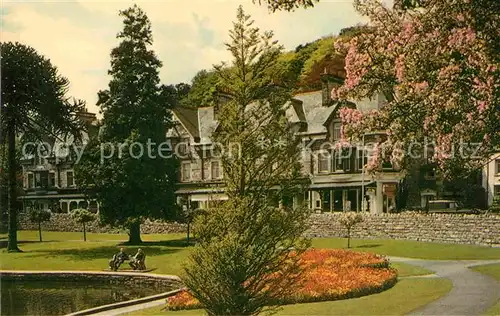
(48, 177)
(338, 181)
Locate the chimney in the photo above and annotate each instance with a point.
(86, 116)
(328, 82)
(222, 97)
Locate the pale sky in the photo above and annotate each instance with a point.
(77, 36)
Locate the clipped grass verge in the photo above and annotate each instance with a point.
(406, 296)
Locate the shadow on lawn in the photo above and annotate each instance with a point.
(103, 252)
(369, 246)
(182, 243)
(4, 242)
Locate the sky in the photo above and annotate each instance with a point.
(189, 35)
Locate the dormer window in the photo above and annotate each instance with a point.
(336, 130)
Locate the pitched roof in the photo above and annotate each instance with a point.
(306, 108)
(189, 119)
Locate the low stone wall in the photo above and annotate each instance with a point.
(64, 223)
(445, 228)
(143, 279)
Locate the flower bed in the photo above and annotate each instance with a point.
(329, 274)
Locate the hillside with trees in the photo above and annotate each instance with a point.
(301, 68)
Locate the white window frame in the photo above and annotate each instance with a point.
(183, 173)
(212, 163)
(55, 179)
(72, 178)
(325, 157)
(336, 131)
(28, 180)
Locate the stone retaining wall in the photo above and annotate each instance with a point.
(64, 223)
(447, 228)
(143, 279)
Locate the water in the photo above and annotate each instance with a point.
(60, 298)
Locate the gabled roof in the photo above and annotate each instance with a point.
(306, 109)
(189, 119)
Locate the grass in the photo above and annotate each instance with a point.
(492, 270)
(412, 249)
(168, 252)
(66, 251)
(406, 270)
(406, 296)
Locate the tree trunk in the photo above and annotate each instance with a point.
(188, 232)
(12, 243)
(348, 238)
(84, 233)
(40, 231)
(134, 235)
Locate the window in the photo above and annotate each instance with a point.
(386, 165)
(362, 159)
(70, 181)
(338, 161)
(31, 180)
(497, 166)
(52, 179)
(496, 190)
(215, 170)
(336, 131)
(186, 171)
(323, 162)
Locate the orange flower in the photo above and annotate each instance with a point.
(329, 274)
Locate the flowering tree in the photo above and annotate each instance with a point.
(436, 68)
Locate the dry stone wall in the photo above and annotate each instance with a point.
(64, 223)
(447, 228)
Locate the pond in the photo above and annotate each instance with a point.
(64, 297)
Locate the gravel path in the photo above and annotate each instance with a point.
(472, 293)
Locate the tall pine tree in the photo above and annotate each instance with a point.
(132, 184)
(242, 264)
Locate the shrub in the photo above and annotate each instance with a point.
(328, 274)
(349, 220)
(83, 216)
(39, 216)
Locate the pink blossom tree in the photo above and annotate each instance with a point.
(437, 69)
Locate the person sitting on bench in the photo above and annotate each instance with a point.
(118, 259)
(138, 261)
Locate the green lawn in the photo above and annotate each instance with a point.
(412, 249)
(405, 296)
(406, 270)
(66, 251)
(167, 252)
(494, 271)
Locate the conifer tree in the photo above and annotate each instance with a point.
(243, 263)
(132, 183)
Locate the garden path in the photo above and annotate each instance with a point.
(472, 293)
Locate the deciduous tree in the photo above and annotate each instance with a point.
(39, 216)
(437, 68)
(83, 216)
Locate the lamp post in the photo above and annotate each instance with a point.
(363, 199)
